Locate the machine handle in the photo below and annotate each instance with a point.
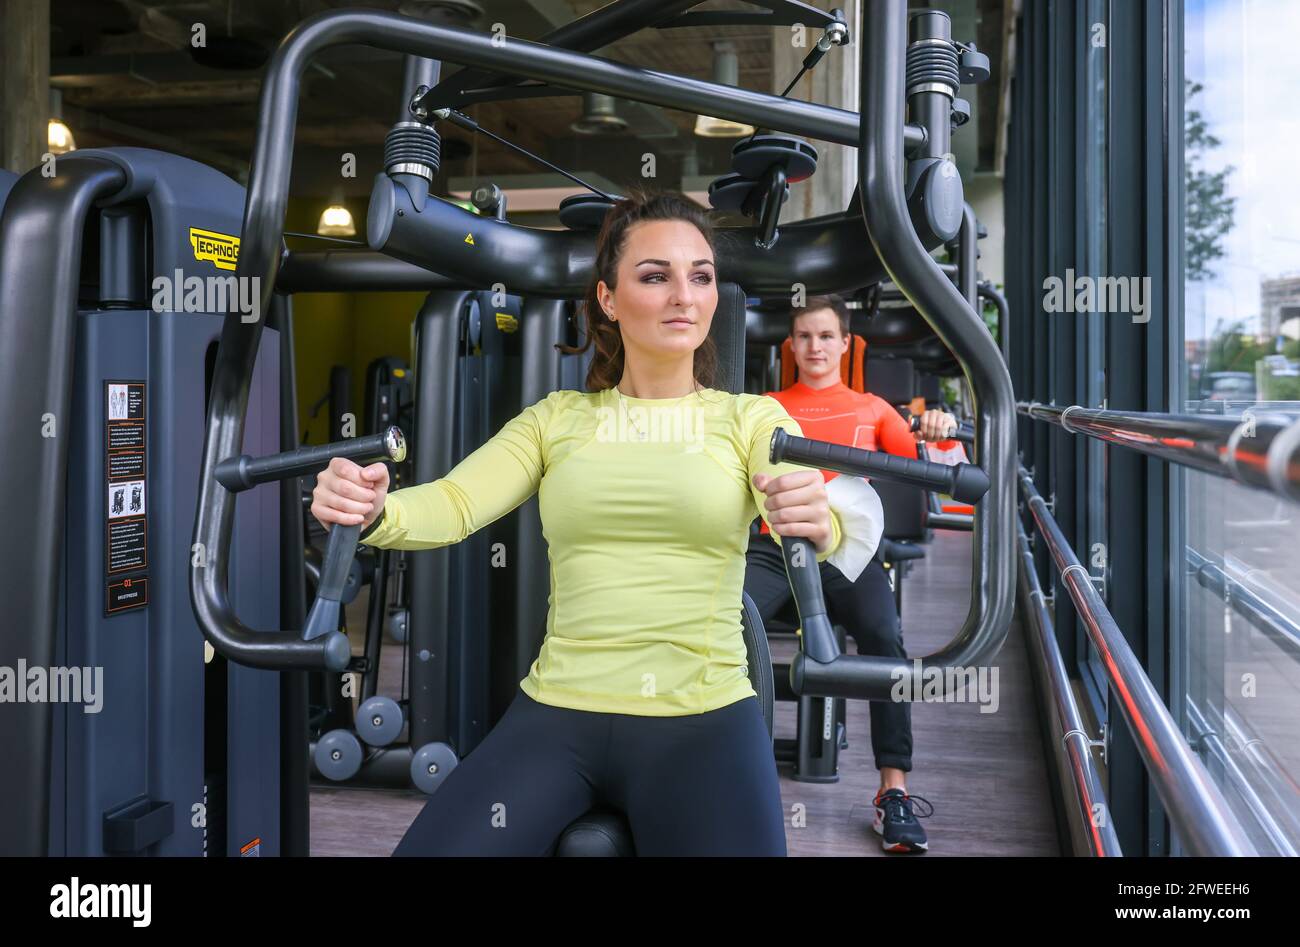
(963, 482)
(339, 553)
(804, 573)
(241, 473)
(965, 433)
(319, 643)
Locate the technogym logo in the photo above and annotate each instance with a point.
(56, 685)
(657, 424)
(220, 249)
(75, 899)
(953, 684)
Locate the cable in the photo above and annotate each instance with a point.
(832, 37)
(317, 236)
(467, 123)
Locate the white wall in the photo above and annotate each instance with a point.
(984, 193)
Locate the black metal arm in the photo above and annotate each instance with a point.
(966, 483)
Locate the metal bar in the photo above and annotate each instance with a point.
(1076, 769)
(1193, 802)
(991, 292)
(1281, 629)
(570, 70)
(967, 246)
(295, 768)
(438, 327)
(832, 255)
(962, 522)
(1259, 451)
(417, 72)
(1214, 744)
(36, 373)
(356, 271)
(1272, 774)
(377, 609)
(780, 13)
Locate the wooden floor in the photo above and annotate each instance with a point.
(983, 772)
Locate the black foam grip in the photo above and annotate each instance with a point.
(804, 573)
(243, 472)
(963, 482)
(340, 552)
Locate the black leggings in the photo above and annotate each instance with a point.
(702, 784)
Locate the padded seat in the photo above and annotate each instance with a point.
(893, 551)
(851, 364)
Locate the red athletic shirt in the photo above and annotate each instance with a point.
(844, 416)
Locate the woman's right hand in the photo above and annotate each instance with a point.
(350, 494)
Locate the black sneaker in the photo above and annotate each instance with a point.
(896, 823)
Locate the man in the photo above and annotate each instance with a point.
(828, 410)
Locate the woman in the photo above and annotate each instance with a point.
(647, 483)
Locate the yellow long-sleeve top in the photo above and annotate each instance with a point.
(646, 534)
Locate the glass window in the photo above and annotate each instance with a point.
(1235, 634)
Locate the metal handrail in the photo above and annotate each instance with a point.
(1196, 807)
(1259, 451)
(1076, 768)
(1216, 746)
(1280, 629)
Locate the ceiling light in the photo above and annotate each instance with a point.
(726, 71)
(599, 116)
(336, 221)
(58, 136)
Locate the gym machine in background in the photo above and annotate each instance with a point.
(114, 342)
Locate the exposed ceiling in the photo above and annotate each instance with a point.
(129, 75)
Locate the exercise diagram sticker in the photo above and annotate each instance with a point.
(126, 499)
(125, 495)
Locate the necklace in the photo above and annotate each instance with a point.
(640, 434)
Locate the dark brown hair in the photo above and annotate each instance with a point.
(814, 303)
(607, 363)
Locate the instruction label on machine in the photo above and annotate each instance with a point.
(126, 511)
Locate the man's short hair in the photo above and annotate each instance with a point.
(814, 303)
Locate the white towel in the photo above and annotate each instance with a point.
(863, 521)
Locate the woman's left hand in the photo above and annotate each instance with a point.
(797, 506)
